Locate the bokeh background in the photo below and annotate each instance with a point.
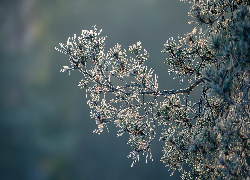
(46, 132)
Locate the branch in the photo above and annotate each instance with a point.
(187, 90)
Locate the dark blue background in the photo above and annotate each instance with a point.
(45, 127)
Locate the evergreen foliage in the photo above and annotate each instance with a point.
(211, 135)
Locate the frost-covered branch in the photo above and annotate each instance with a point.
(211, 135)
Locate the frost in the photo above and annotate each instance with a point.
(210, 135)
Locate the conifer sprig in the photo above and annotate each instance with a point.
(210, 135)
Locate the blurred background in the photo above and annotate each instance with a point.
(46, 132)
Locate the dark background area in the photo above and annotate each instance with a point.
(46, 132)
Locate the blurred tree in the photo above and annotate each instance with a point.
(211, 135)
